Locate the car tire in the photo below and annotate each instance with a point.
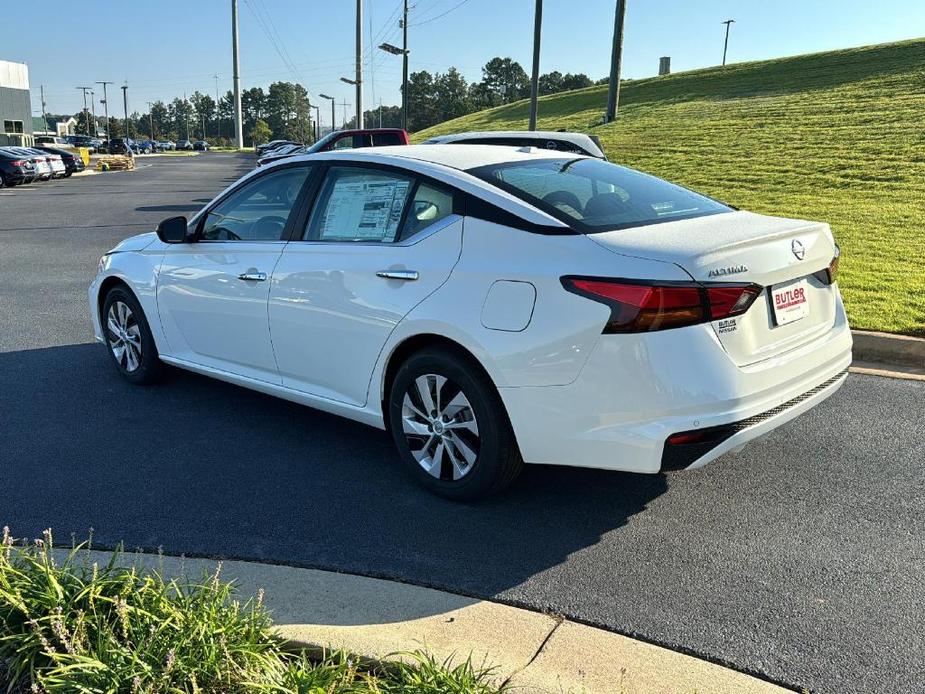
(464, 447)
(124, 326)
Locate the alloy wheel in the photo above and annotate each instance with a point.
(440, 427)
(124, 336)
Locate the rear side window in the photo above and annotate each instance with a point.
(385, 139)
(357, 204)
(354, 142)
(592, 195)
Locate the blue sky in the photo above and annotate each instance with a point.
(169, 47)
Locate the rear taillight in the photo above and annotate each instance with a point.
(637, 306)
(828, 275)
(18, 162)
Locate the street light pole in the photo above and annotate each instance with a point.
(535, 78)
(404, 69)
(238, 125)
(218, 113)
(616, 61)
(151, 120)
(125, 106)
(86, 111)
(96, 126)
(359, 68)
(331, 99)
(726, 44)
(106, 104)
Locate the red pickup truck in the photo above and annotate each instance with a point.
(341, 139)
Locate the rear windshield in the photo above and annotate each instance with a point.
(592, 195)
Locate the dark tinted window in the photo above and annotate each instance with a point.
(591, 195)
(385, 139)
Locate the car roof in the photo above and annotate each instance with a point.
(461, 157)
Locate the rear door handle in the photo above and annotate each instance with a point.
(253, 276)
(398, 274)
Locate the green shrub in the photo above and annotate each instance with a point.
(80, 627)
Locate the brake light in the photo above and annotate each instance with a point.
(18, 162)
(828, 274)
(637, 306)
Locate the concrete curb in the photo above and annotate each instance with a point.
(379, 620)
(888, 350)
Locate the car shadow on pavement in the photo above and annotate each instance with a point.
(199, 467)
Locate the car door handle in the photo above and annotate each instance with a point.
(253, 276)
(398, 274)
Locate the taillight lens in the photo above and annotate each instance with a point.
(637, 306)
(18, 162)
(828, 275)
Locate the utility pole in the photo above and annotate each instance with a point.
(317, 122)
(44, 117)
(331, 99)
(218, 113)
(96, 126)
(203, 125)
(616, 60)
(359, 70)
(380, 112)
(106, 105)
(151, 120)
(535, 78)
(86, 111)
(404, 69)
(125, 106)
(238, 125)
(726, 44)
(345, 104)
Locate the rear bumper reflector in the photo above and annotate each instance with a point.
(686, 447)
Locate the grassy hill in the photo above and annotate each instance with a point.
(836, 136)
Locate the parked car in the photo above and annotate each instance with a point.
(145, 146)
(273, 144)
(72, 161)
(165, 145)
(15, 169)
(341, 139)
(43, 171)
(185, 144)
(58, 169)
(91, 143)
(577, 143)
(49, 140)
(595, 316)
(122, 145)
(201, 145)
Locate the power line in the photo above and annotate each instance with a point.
(443, 14)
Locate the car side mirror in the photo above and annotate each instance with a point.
(172, 230)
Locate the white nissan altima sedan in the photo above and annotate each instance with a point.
(490, 306)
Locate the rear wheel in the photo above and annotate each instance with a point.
(128, 337)
(450, 426)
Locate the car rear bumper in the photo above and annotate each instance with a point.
(637, 390)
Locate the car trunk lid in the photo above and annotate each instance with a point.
(781, 255)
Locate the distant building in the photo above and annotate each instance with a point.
(664, 65)
(15, 104)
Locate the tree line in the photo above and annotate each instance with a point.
(284, 111)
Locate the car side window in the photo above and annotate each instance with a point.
(359, 204)
(385, 139)
(259, 210)
(429, 205)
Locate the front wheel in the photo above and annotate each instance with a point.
(128, 337)
(450, 426)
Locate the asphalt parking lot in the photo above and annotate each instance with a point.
(801, 559)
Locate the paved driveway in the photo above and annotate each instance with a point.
(801, 559)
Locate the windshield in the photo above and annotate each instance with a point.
(592, 195)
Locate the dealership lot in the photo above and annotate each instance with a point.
(801, 559)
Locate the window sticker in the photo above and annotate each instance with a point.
(363, 208)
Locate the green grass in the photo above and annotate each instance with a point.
(80, 627)
(837, 137)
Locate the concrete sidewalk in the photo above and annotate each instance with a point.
(533, 652)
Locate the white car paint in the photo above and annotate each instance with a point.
(322, 329)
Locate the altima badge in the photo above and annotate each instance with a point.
(723, 271)
(798, 250)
